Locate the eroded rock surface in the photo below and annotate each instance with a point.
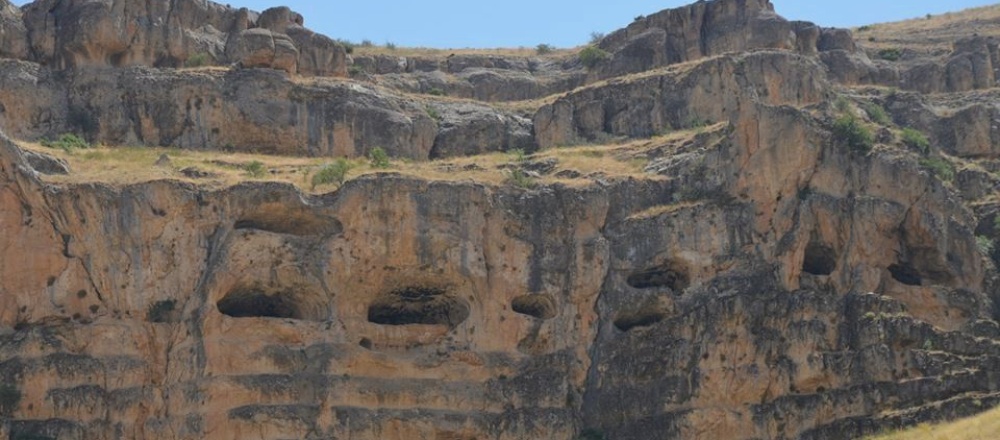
(761, 279)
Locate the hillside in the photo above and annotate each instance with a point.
(982, 427)
(714, 223)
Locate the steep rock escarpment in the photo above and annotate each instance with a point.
(762, 281)
(761, 278)
(170, 34)
(246, 110)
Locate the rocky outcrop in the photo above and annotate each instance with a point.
(693, 95)
(13, 34)
(246, 110)
(699, 30)
(98, 33)
(757, 280)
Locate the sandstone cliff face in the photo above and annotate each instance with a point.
(760, 280)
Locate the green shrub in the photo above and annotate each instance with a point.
(877, 114)
(390, 45)
(916, 140)
(865, 28)
(850, 132)
(521, 179)
(355, 70)
(591, 56)
(985, 245)
(199, 59)
(67, 142)
(367, 43)
(596, 37)
(332, 173)
(436, 92)
(544, 49)
(842, 104)
(890, 54)
(433, 113)
(591, 434)
(518, 155)
(10, 398)
(348, 46)
(941, 168)
(255, 169)
(378, 158)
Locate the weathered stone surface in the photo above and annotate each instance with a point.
(679, 98)
(46, 164)
(470, 129)
(13, 34)
(759, 280)
(263, 48)
(696, 31)
(247, 110)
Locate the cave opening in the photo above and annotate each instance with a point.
(672, 275)
(255, 303)
(418, 305)
(906, 274)
(646, 317)
(820, 259)
(541, 306)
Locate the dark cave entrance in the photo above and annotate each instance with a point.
(541, 306)
(418, 305)
(820, 259)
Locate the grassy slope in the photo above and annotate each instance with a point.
(931, 35)
(985, 426)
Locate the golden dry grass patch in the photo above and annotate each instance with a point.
(985, 426)
(933, 33)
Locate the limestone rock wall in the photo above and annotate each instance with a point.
(247, 110)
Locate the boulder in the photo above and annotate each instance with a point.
(254, 48)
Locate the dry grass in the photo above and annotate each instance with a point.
(129, 165)
(931, 35)
(983, 427)
(443, 53)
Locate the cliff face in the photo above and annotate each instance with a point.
(762, 278)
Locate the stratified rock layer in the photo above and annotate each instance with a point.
(761, 279)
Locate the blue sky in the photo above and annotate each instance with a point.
(562, 23)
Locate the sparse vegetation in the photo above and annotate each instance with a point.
(332, 173)
(366, 43)
(255, 169)
(877, 114)
(890, 54)
(985, 245)
(433, 113)
(596, 37)
(348, 46)
(915, 139)
(390, 45)
(848, 131)
(591, 56)
(518, 155)
(544, 49)
(355, 70)
(378, 158)
(939, 167)
(865, 28)
(521, 179)
(199, 59)
(67, 142)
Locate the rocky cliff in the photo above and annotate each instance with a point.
(785, 254)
